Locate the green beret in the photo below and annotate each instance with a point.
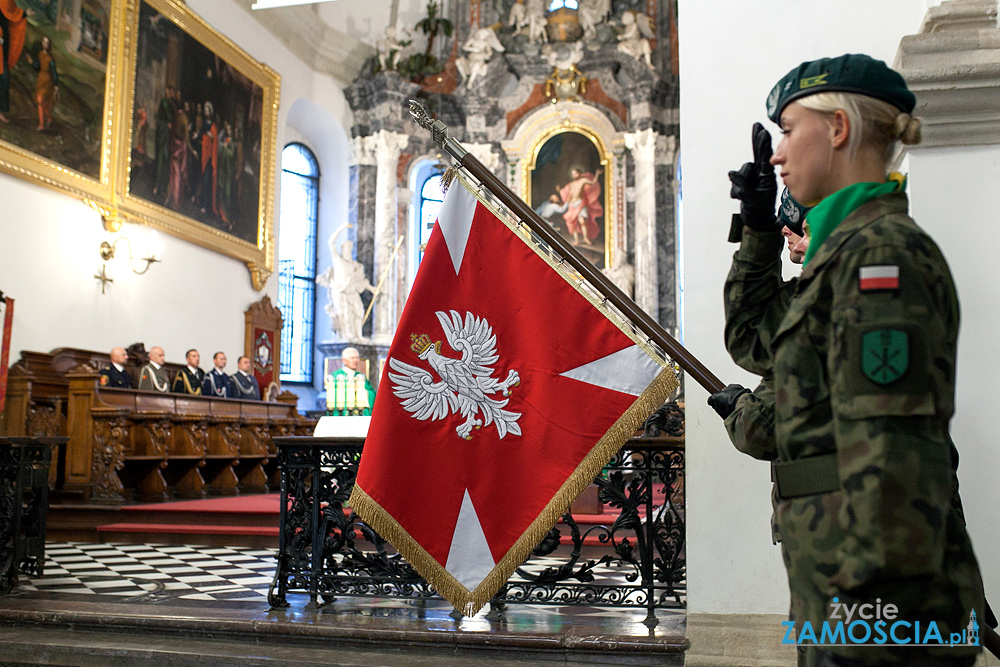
(792, 214)
(849, 73)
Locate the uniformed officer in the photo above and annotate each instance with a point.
(216, 383)
(863, 362)
(153, 376)
(188, 379)
(114, 375)
(244, 384)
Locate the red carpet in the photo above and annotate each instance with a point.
(244, 520)
(265, 502)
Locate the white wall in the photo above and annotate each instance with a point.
(731, 54)
(195, 297)
(953, 197)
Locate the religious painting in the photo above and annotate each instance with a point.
(568, 190)
(199, 135)
(56, 102)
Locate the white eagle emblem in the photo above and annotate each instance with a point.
(465, 383)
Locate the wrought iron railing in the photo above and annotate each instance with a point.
(24, 504)
(636, 560)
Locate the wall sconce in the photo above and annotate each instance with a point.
(107, 251)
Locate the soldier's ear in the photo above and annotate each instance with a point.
(840, 128)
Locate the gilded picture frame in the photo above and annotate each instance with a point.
(197, 134)
(61, 94)
(568, 184)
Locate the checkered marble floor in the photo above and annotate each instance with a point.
(153, 573)
(231, 577)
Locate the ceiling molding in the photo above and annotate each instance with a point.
(325, 49)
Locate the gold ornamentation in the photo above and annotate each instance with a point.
(420, 343)
(565, 84)
(108, 193)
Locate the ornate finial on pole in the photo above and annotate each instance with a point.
(438, 130)
(420, 115)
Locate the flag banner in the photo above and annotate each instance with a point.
(509, 385)
(8, 320)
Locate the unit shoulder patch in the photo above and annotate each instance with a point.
(885, 355)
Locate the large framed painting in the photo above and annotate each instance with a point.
(198, 131)
(568, 188)
(59, 62)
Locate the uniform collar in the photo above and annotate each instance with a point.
(864, 215)
(118, 367)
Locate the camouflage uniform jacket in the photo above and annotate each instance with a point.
(756, 299)
(865, 372)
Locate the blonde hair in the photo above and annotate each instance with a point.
(872, 121)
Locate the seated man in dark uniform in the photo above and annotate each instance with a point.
(189, 379)
(244, 383)
(217, 384)
(114, 375)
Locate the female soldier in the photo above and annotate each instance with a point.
(864, 370)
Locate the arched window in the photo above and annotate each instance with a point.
(297, 260)
(559, 4)
(426, 186)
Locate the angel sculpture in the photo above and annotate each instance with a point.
(480, 47)
(635, 37)
(518, 16)
(563, 57)
(390, 46)
(591, 14)
(537, 22)
(466, 383)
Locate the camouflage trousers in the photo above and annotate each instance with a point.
(812, 531)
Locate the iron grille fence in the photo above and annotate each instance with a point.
(633, 556)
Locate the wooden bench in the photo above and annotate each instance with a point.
(126, 444)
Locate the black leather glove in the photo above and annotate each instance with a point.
(755, 186)
(724, 402)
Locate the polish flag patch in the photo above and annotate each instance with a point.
(879, 277)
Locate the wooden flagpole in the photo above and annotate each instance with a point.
(694, 368)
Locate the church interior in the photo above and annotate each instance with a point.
(244, 178)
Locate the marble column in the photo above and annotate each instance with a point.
(361, 206)
(642, 145)
(666, 231)
(388, 146)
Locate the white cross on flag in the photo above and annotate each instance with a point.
(505, 392)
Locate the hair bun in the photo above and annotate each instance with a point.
(908, 128)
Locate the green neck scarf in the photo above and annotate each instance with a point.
(826, 215)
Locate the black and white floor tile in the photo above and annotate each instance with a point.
(222, 577)
(150, 572)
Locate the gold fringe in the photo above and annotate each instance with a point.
(470, 602)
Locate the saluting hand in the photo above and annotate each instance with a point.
(755, 186)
